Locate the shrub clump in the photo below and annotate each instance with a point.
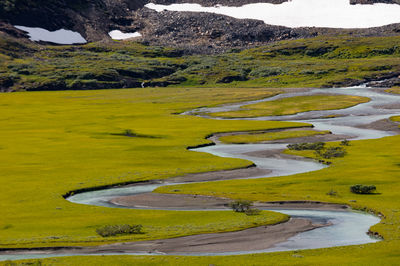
(332, 152)
(133, 134)
(345, 142)
(306, 146)
(120, 229)
(363, 189)
(321, 150)
(252, 212)
(244, 206)
(241, 205)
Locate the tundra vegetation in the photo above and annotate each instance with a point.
(66, 141)
(59, 142)
(120, 229)
(294, 105)
(269, 136)
(354, 168)
(363, 189)
(315, 62)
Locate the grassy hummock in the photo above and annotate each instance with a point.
(294, 105)
(269, 136)
(395, 90)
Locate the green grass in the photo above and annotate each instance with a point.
(394, 90)
(315, 62)
(65, 144)
(53, 143)
(294, 105)
(255, 137)
(395, 119)
(354, 168)
(382, 253)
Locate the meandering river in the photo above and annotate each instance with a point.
(342, 227)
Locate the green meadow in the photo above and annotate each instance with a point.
(56, 142)
(294, 105)
(316, 62)
(268, 136)
(53, 143)
(354, 168)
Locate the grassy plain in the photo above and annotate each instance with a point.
(354, 168)
(56, 142)
(254, 138)
(294, 105)
(87, 118)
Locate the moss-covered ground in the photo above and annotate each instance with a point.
(315, 62)
(394, 90)
(294, 105)
(56, 142)
(354, 168)
(53, 143)
(65, 142)
(268, 136)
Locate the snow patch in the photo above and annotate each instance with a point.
(119, 35)
(61, 36)
(303, 13)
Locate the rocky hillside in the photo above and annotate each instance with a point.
(92, 18)
(193, 32)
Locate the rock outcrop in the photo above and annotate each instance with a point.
(195, 32)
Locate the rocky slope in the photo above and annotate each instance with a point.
(212, 33)
(194, 32)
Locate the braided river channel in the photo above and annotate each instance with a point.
(336, 227)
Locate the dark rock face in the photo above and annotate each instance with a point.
(91, 18)
(195, 32)
(202, 32)
(212, 33)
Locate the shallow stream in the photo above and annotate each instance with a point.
(345, 227)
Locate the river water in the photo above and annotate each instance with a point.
(346, 227)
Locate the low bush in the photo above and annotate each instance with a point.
(332, 152)
(332, 193)
(120, 229)
(241, 205)
(133, 134)
(306, 146)
(252, 212)
(345, 142)
(363, 189)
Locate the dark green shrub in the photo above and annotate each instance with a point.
(241, 205)
(120, 229)
(363, 189)
(345, 143)
(129, 133)
(332, 193)
(332, 152)
(252, 212)
(306, 146)
(133, 134)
